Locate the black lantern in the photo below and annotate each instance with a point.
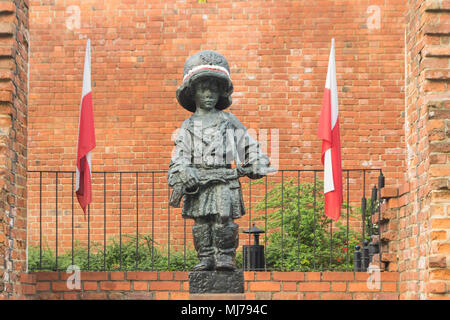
(254, 254)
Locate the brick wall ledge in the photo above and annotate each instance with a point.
(175, 285)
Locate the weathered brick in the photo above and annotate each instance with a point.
(338, 276)
(7, 28)
(7, 7)
(43, 286)
(112, 295)
(93, 295)
(181, 276)
(179, 295)
(440, 274)
(360, 287)
(117, 276)
(165, 285)
(162, 295)
(389, 276)
(362, 276)
(50, 295)
(313, 276)
(439, 297)
(312, 296)
(71, 296)
(142, 275)
(27, 278)
(115, 285)
(286, 296)
(92, 276)
(440, 223)
(42, 276)
(60, 286)
(436, 287)
(288, 276)
(90, 285)
(437, 262)
(263, 276)
(336, 296)
(362, 296)
(385, 296)
(165, 275)
(289, 286)
(140, 285)
(314, 286)
(389, 286)
(28, 289)
(140, 296)
(338, 286)
(264, 286)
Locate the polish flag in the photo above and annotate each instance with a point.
(331, 146)
(86, 137)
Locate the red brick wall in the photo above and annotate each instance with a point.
(13, 145)
(424, 224)
(278, 54)
(175, 285)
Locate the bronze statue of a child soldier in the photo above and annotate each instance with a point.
(200, 169)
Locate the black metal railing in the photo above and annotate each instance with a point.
(130, 226)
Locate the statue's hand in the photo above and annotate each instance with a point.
(189, 178)
(191, 183)
(258, 171)
(243, 171)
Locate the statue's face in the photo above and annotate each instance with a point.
(206, 94)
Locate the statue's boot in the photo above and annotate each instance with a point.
(203, 244)
(226, 240)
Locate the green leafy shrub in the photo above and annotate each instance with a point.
(299, 236)
(147, 256)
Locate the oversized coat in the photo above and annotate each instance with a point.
(209, 150)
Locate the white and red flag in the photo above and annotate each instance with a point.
(86, 137)
(331, 146)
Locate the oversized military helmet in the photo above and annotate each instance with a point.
(202, 65)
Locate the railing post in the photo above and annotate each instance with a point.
(137, 220)
(73, 192)
(120, 220)
(357, 259)
(282, 216)
(104, 221)
(56, 213)
(365, 256)
(380, 186)
(40, 220)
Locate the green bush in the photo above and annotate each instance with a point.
(299, 235)
(147, 257)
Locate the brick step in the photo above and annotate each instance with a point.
(437, 5)
(437, 74)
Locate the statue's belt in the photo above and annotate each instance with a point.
(205, 176)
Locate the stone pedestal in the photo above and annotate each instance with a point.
(216, 282)
(217, 296)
